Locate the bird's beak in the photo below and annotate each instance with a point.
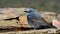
(26, 11)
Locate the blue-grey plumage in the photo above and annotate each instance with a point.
(34, 18)
(31, 11)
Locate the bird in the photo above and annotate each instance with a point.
(35, 19)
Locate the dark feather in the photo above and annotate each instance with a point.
(37, 22)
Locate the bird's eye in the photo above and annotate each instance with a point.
(30, 11)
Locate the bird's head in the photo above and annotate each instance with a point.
(30, 10)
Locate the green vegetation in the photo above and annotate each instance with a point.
(45, 5)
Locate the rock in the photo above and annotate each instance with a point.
(10, 23)
(24, 22)
(6, 13)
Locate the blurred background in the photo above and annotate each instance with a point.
(43, 5)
